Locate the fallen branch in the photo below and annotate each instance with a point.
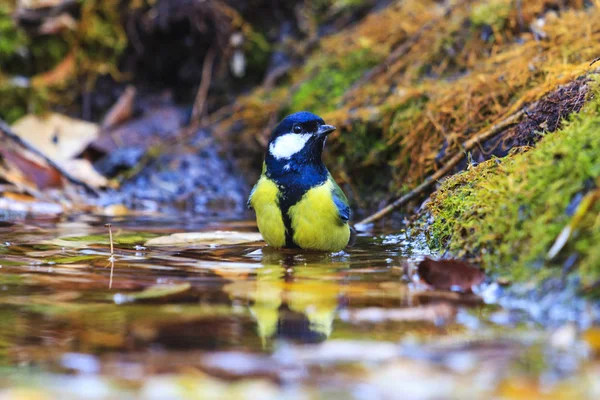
(450, 164)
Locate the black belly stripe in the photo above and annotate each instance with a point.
(287, 198)
(289, 231)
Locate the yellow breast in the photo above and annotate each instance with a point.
(268, 215)
(316, 223)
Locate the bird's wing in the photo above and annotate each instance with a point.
(340, 200)
(248, 203)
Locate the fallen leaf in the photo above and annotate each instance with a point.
(24, 171)
(30, 170)
(152, 292)
(83, 170)
(450, 274)
(78, 241)
(57, 136)
(205, 238)
(22, 197)
(61, 139)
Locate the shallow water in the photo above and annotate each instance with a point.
(226, 317)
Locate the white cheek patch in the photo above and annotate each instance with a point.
(287, 145)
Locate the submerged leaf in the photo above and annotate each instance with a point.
(153, 292)
(450, 274)
(205, 238)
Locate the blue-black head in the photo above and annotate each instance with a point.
(297, 143)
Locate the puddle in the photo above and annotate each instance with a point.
(229, 318)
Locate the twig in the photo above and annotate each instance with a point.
(112, 255)
(595, 61)
(120, 111)
(586, 204)
(451, 163)
(200, 100)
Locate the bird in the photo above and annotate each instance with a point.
(297, 202)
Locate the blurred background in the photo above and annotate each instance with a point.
(154, 115)
(167, 105)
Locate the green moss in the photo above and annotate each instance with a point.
(258, 53)
(46, 52)
(16, 100)
(102, 37)
(494, 13)
(97, 44)
(12, 40)
(332, 76)
(511, 211)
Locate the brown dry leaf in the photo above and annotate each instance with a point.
(27, 172)
(450, 274)
(205, 238)
(61, 139)
(23, 197)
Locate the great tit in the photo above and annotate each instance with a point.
(297, 202)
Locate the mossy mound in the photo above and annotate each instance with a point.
(532, 214)
(434, 75)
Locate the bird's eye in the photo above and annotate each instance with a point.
(297, 129)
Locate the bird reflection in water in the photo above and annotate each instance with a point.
(294, 296)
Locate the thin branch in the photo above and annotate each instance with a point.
(112, 255)
(200, 100)
(450, 164)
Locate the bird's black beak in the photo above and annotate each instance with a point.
(325, 130)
